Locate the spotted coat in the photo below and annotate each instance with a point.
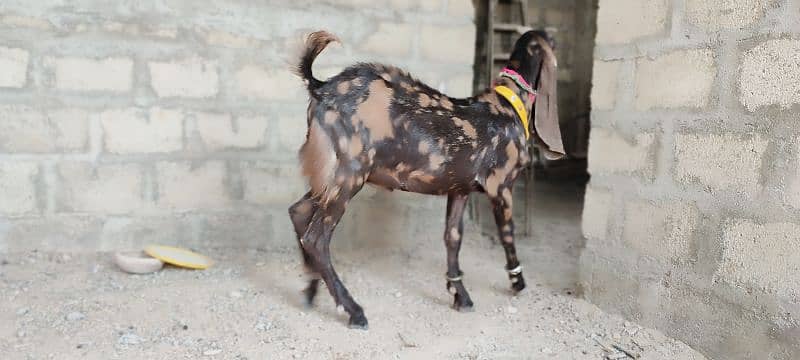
(376, 124)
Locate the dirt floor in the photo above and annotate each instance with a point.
(248, 306)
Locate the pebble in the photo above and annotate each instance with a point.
(129, 339)
(23, 311)
(512, 310)
(20, 333)
(235, 294)
(398, 294)
(212, 352)
(263, 325)
(75, 316)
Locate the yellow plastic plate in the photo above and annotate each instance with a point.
(178, 257)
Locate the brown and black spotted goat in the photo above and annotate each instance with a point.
(376, 124)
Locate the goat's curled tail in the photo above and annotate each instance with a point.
(315, 43)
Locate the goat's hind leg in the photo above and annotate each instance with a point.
(301, 213)
(316, 242)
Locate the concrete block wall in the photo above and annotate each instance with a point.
(692, 215)
(130, 122)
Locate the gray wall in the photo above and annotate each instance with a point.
(693, 215)
(129, 122)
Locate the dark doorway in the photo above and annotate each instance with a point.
(573, 23)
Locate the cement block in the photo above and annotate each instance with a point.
(623, 21)
(597, 208)
(226, 39)
(266, 183)
(103, 188)
(13, 67)
(256, 82)
(191, 77)
(186, 187)
(679, 79)
(133, 29)
(461, 9)
(607, 285)
(793, 195)
(763, 256)
(459, 85)
(424, 5)
(611, 153)
(131, 131)
(770, 74)
(252, 230)
(221, 131)
(662, 232)
(18, 188)
(21, 21)
(604, 84)
(719, 329)
(62, 233)
(390, 39)
(113, 74)
(451, 44)
(291, 133)
(723, 162)
(714, 15)
(24, 129)
(136, 232)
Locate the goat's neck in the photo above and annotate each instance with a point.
(517, 90)
(490, 93)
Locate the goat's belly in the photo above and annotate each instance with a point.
(415, 181)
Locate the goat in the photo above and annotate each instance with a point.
(376, 124)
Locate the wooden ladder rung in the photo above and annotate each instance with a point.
(507, 27)
(502, 56)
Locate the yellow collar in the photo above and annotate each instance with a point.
(516, 102)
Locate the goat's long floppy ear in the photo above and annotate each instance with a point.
(548, 132)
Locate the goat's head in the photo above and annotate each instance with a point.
(531, 53)
(534, 58)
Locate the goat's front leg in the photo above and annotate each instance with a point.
(452, 240)
(502, 207)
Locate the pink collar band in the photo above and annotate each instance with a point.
(520, 81)
(510, 73)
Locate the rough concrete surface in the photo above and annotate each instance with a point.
(249, 306)
(65, 305)
(694, 232)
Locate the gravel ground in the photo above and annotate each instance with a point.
(248, 306)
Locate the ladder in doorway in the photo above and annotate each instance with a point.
(492, 60)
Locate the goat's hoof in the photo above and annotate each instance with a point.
(308, 298)
(464, 308)
(463, 305)
(517, 284)
(310, 292)
(358, 322)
